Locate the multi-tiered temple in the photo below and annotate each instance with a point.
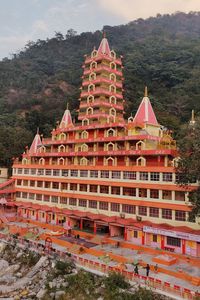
(106, 174)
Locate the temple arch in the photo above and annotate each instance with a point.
(91, 87)
(84, 147)
(83, 161)
(112, 88)
(85, 122)
(41, 161)
(61, 148)
(112, 77)
(62, 136)
(110, 146)
(90, 99)
(84, 134)
(61, 161)
(93, 65)
(113, 65)
(111, 132)
(112, 99)
(140, 145)
(89, 111)
(92, 76)
(112, 112)
(113, 54)
(94, 53)
(141, 161)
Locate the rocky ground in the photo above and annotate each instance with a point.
(25, 274)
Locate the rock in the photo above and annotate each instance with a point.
(18, 275)
(65, 284)
(3, 264)
(41, 293)
(2, 247)
(17, 297)
(24, 292)
(52, 295)
(58, 294)
(19, 254)
(7, 278)
(52, 284)
(32, 295)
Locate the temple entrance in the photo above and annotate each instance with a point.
(102, 228)
(117, 231)
(88, 225)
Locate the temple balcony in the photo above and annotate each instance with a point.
(89, 59)
(102, 68)
(102, 80)
(101, 103)
(100, 91)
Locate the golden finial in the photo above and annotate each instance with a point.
(67, 105)
(145, 92)
(37, 130)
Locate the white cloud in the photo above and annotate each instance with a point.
(133, 9)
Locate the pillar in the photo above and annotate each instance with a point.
(143, 238)
(183, 246)
(36, 216)
(95, 228)
(81, 224)
(125, 233)
(162, 243)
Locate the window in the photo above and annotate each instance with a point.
(92, 204)
(180, 215)
(64, 185)
(144, 176)
(83, 173)
(82, 202)
(135, 234)
(180, 196)
(40, 172)
(172, 241)
(55, 185)
(155, 239)
(19, 182)
(115, 207)
(47, 185)
(26, 171)
(93, 188)
(25, 182)
(166, 213)
(129, 191)
(46, 198)
(103, 205)
(24, 195)
(167, 177)
(104, 174)
(94, 174)
(48, 172)
(142, 210)
(129, 209)
(143, 193)
(19, 171)
(115, 190)
(116, 174)
(83, 187)
(72, 201)
(65, 173)
(74, 173)
(154, 194)
(73, 186)
(154, 212)
(54, 199)
(39, 197)
(33, 171)
(31, 196)
(56, 172)
(104, 189)
(39, 183)
(167, 195)
(155, 176)
(63, 200)
(32, 183)
(129, 175)
(18, 194)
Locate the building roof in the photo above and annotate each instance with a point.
(35, 144)
(104, 47)
(145, 113)
(66, 119)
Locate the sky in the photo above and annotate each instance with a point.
(28, 20)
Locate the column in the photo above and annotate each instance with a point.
(125, 233)
(36, 215)
(95, 228)
(81, 224)
(183, 246)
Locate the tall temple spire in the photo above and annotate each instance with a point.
(36, 143)
(145, 113)
(104, 47)
(66, 119)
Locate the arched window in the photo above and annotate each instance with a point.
(130, 119)
(94, 53)
(112, 99)
(141, 161)
(84, 134)
(113, 54)
(42, 149)
(89, 111)
(110, 161)
(113, 65)
(112, 77)
(93, 65)
(90, 99)
(112, 88)
(61, 148)
(85, 122)
(110, 147)
(84, 147)
(92, 76)
(110, 132)
(111, 119)
(61, 161)
(41, 161)
(83, 161)
(24, 161)
(62, 136)
(91, 87)
(112, 112)
(140, 145)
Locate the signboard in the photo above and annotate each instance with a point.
(180, 235)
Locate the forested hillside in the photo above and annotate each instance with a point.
(162, 53)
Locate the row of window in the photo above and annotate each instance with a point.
(127, 175)
(114, 207)
(105, 189)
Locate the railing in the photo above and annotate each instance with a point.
(102, 79)
(102, 68)
(101, 91)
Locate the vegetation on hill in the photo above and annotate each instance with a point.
(35, 85)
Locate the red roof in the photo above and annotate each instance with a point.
(104, 47)
(66, 119)
(145, 113)
(35, 144)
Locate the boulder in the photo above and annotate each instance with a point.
(58, 294)
(41, 293)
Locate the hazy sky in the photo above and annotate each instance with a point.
(25, 20)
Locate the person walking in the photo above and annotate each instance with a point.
(156, 268)
(147, 269)
(136, 270)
